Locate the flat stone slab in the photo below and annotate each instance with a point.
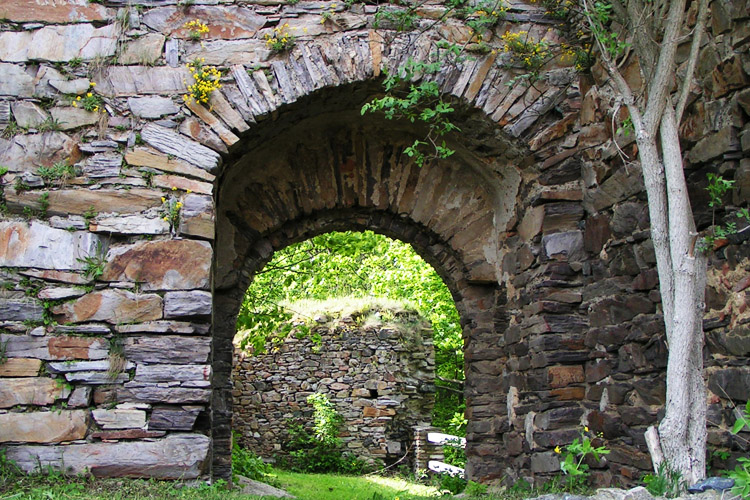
(112, 306)
(251, 487)
(81, 201)
(171, 349)
(161, 265)
(43, 427)
(38, 391)
(65, 11)
(20, 367)
(177, 456)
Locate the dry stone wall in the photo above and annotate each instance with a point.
(377, 368)
(122, 276)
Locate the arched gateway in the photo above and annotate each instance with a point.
(137, 220)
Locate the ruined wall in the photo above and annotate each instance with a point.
(376, 366)
(536, 224)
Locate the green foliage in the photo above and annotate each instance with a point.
(454, 484)
(341, 264)
(59, 172)
(320, 451)
(401, 19)
(326, 420)
(246, 463)
(718, 187)
(3, 170)
(741, 473)
(421, 102)
(599, 21)
(573, 466)
(667, 482)
(94, 264)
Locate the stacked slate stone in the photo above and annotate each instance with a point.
(379, 376)
(131, 231)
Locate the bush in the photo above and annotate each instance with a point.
(321, 451)
(247, 463)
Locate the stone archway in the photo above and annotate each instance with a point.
(325, 168)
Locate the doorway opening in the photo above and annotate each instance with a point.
(363, 320)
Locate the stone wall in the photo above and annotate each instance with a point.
(377, 367)
(536, 224)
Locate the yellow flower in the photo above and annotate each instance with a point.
(75, 104)
(586, 428)
(163, 199)
(174, 188)
(189, 191)
(166, 218)
(93, 84)
(557, 449)
(89, 94)
(78, 98)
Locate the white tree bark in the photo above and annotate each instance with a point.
(681, 439)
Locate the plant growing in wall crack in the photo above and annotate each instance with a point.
(196, 28)
(281, 38)
(205, 81)
(573, 466)
(170, 212)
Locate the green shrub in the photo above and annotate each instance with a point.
(320, 451)
(246, 463)
(741, 473)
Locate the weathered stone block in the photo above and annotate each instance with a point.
(197, 216)
(20, 367)
(77, 201)
(179, 304)
(177, 456)
(60, 12)
(167, 349)
(180, 146)
(152, 107)
(733, 383)
(31, 391)
(21, 309)
(567, 245)
(37, 245)
(63, 43)
(173, 419)
(15, 82)
(112, 306)
(561, 376)
(161, 265)
(119, 419)
(43, 427)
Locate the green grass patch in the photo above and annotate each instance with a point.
(334, 487)
(303, 486)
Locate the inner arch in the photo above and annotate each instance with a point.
(324, 167)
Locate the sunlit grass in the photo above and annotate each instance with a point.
(333, 487)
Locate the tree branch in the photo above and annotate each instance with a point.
(695, 47)
(659, 87)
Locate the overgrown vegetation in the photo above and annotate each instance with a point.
(321, 450)
(365, 265)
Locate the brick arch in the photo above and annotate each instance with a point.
(338, 171)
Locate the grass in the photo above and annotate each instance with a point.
(334, 487)
(303, 486)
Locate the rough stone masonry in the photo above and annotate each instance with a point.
(133, 222)
(375, 365)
